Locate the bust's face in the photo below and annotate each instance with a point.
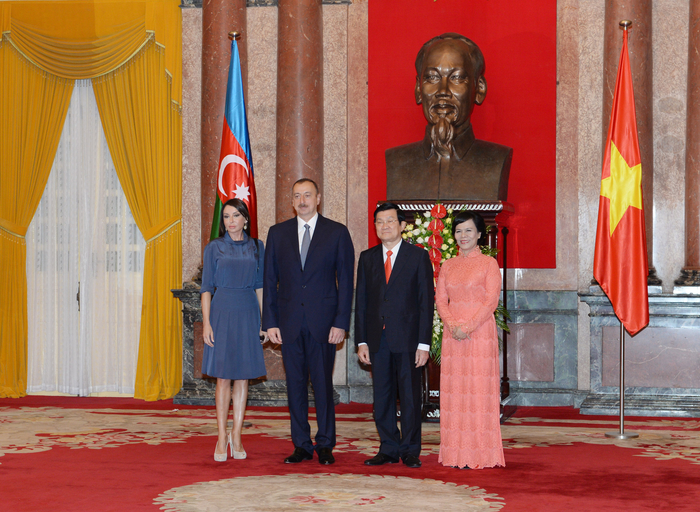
(447, 87)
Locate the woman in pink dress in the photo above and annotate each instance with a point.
(468, 290)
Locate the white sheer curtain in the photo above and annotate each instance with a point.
(83, 239)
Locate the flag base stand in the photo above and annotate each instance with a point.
(622, 435)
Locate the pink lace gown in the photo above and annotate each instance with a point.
(468, 290)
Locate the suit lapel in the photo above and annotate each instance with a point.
(292, 235)
(377, 262)
(319, 233)
(401, 259)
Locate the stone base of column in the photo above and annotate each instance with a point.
(680, 406)
(271, 393)
(653, 279)
(652, 289)
(688, 282)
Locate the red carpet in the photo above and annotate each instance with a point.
(103, 454)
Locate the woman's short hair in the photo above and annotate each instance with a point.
(400, 215)
(242, 209)
(467, 215)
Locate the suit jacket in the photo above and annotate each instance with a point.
(322, 291)
(403, 306)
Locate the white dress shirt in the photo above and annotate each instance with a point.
(312, 227)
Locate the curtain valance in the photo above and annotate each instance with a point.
(78, 59)
(80, 39)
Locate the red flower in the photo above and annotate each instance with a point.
(438, 211)
(436, 225)
(435, 241)
(435, 255)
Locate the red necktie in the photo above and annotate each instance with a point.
(387, 265)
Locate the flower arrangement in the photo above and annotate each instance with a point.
(434, 234)
(432, 230)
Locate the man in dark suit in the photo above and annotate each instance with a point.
(393, 331)
(307, 287)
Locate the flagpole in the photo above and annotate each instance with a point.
(625, 24)
(622, 434)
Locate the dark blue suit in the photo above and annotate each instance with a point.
(393, 318)
(304, 305)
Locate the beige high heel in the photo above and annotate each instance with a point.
(235, 454)
(221, 457)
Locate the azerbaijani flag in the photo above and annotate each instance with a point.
(235, 177)
(620, 263)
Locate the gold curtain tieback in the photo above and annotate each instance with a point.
(161, 229)
(11, 228)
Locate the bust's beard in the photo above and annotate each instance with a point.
(441, 135)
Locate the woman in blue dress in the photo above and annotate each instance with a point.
(231, 296)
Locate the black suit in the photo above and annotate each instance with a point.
(304, 305)
(393, 318)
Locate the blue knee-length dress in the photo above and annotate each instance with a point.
(232, 271)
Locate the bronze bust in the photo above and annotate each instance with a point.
(449, 163)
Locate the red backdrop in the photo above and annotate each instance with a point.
(518, 40)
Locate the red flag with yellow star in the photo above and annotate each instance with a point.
(620, 264)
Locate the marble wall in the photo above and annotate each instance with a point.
(670, 55)
(344, 191)
(670, 39)
(191, 140)
(556, 346)
(661, 362)
(542, 348)
(579, 130)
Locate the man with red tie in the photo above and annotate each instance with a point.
(393, 331)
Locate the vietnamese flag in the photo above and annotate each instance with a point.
(620, 263)
(235, 177)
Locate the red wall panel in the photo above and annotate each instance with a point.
(518, 40)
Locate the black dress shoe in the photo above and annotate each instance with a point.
(380, 459)
(299, 455)
(411, 461)
(325, 456)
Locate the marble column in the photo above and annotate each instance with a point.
(642, 67)
(690, 274)
(219, 17)
(299, 98)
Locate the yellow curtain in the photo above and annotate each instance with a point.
(132, 51)
(33, 109)
(138, 120)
